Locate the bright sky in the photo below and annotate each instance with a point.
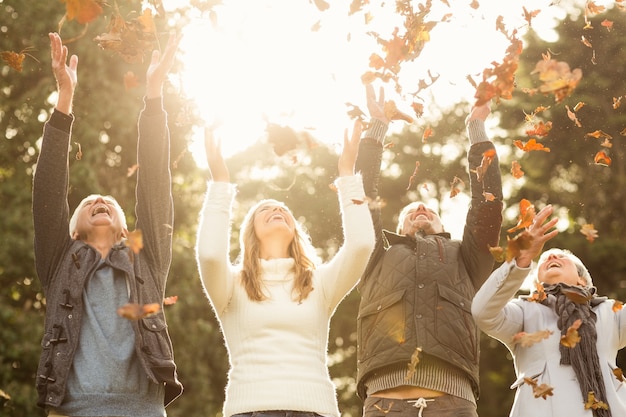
(259, 61)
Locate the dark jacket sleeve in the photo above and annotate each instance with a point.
(49, 205)
(368, 164)
(154, 204)
(484, 217)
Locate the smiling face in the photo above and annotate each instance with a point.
(272, 218)
(417, 217)
(98, 213)
(556, 266)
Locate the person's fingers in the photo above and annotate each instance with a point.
(74, 62)
(381, 96)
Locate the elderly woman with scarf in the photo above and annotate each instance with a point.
(557, 374)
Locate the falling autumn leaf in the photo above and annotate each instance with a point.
(543, 390)
(79, 152)
(619, 374)
(171, 300)
(489, 196)
(392, 112)
(498, 253)
(413, 364)
(499, 82)
(540, 129)
(15, 60)
(84, 11)
(572, 116)
(516, 170)
(571, 338)
(131, 39)
(454, 186)
(132, 311)
(134, 241)
(601, 158)
(488, 157)
(526, 215)
(531, 145)
(515, 245)
(539, 294)
(593, 403)
(528, 339)
(557, 78)
(589, 232)
(428, 132)
(413, 176)
(617, 306)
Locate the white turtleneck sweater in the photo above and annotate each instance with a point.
(277, 348)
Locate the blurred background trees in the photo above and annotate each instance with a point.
(105, 134)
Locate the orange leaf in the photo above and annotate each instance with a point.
(415, 360)
(13, 59)
(84, 11)
(135, 241)
(171, 300)
(572, 116)
(529, 339)
(602, 158)
(531, 145)
(489, 196)
(539, 294)
(557, 78)
(542, 390)
(518, 243)
(617, 306)
(540, 129)
(412, 178)
(526, 216)
(132, 311)
(454, 185)
(428, 132)
(497, 252)
(516, 170)
(618, 374)
(571, 337)
(593, 403)
(589, 231)
(488, 157)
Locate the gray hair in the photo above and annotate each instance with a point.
(580, 267)
(108, 198)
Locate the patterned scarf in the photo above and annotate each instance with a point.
(573, 303)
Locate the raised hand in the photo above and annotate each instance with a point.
(64, 74)
(375, 107)
(540, 232)
(347, 159)
(214, 157)
(479, 112)
(160, 66)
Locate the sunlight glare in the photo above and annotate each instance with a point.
(261, 61)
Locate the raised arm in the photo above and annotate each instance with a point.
(484, 217)
(213, 240)
(51, 179)
(154, 207)
(491, 308)
(344, 270)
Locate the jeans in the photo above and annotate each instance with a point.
(444, 406)
(277, 413)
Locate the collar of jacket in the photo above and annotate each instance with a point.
(394, 238)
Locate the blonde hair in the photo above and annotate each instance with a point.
(301, 250)
(580, 267)
(84, 201)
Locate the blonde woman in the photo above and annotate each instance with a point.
(275, 306)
